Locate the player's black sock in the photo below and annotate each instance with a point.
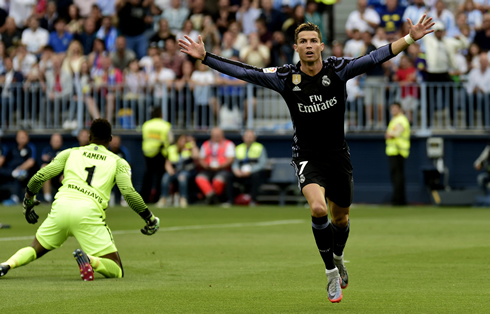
(340, 238)
(324, 239)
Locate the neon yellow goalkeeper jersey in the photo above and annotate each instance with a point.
(89, 173)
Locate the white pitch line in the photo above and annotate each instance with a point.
(196, 227)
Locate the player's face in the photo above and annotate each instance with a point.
(309, 46)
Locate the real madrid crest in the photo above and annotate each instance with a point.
(325, 81)
(296, 79)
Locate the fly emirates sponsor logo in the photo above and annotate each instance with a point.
(317, 104)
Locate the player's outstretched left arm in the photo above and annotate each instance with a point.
(415, 33)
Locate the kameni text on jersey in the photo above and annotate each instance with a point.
(94, 156)
(318, 104)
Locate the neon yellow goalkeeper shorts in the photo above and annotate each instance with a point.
(79, 219)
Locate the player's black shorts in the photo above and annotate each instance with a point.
(333, 172)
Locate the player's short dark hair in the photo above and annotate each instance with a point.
(156, 113)
(396, 103)
(101, 130)
(307, 27)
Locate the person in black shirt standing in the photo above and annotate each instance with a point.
(315, 93)
(134, 22)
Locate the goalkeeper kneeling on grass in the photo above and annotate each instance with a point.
(79, 208)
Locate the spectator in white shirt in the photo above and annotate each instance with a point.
(479, 79)
(160, 78)
(440, 13)
(247, 14)
(176, 15)
(379, 38)
(21, 10)
(24, 60)
(255, 53)
(354, 47)
(202, 80)
(362, 19)
(415, 11)
(34, 37)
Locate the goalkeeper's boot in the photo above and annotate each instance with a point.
(339, 262)
(333, 288)
(86, 271)
(4, 268)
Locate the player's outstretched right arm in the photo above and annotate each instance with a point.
(267, 77)
(134, 199)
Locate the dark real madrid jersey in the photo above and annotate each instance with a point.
(316, 103)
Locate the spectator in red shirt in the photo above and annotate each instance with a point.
(406, 77)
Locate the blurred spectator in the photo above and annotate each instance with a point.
(74, 58)
(160, 78)
(3, 55)
(47, 21)
(60, 38)
(59, 88)
(20, 10)
(215, 157)
(107, 82)
(50, 187)
(209, 33)
(162, 34)
(85, 82)
(24, 60)
(391, 16)
(108, 33)
(418, 59)
(19, 166)
(95, 56)
(10, 79)
(473, 57)
(354, 47)
(176, 15)
(442, 14)
(11, 36)
(147, 61)
(482, 37)
(122, 56)
(45, 63)
(406, 77)
(187, 30)
(121, 151)
(85, 6)
(313, 16)
(265, 35)
(362, 19)
(197, 14)
(202, 80)
(227, 49)
(290, 25)
(180, 169)
(247, 14)
(34, 38)
(172, 58)
(96, 15)
(479, 79)
(135, 81)
(133, 13)
(224, 16)
(83, 137)
(239, 38)
(157, 136)
(379, 38)
(415, 11)
(87, 36)
(441, 52)
(107, 7)
(273, 18)
(474, 16)
(185, 81)
(461, 28)
(75, 23)
(281, 52)
(255, 53)
(249, 165)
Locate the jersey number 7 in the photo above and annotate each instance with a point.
(90, 175)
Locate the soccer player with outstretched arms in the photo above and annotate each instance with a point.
(79, 208)
(315, 93)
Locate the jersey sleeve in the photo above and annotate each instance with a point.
(133, 198)
(54, 168)
(272, 78)
(347, 68)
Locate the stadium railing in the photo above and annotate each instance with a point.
(430, 107)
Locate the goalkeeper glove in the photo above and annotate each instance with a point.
(152, 226)
(28, 205)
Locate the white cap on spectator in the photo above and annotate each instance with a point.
(438, 26)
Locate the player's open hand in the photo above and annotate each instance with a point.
(192, 48)
(28, 205)
(420, 29)
(152, 226)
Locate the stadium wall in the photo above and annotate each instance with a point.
(371, 170)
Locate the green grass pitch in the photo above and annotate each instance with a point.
(262, 260)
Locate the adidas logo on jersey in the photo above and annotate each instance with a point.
(296, 89)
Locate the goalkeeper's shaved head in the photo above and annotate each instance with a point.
(100, 131)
